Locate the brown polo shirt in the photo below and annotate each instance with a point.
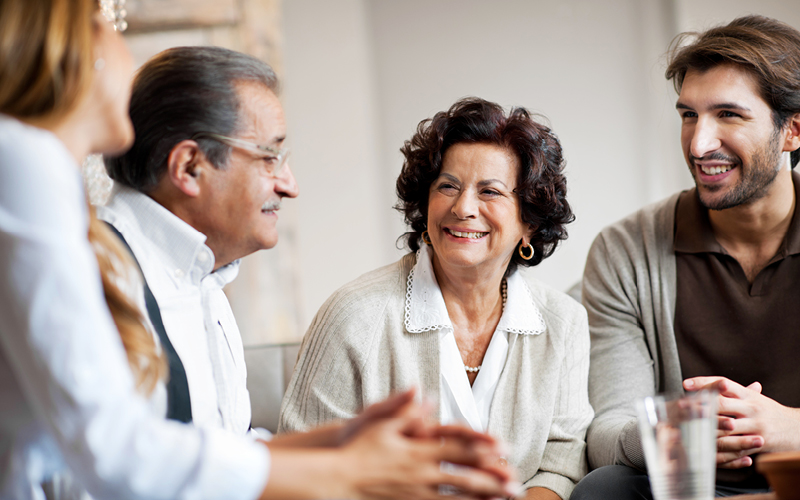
(725, 325)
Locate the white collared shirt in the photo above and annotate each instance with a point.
(67, 395)
(426, 311)
(177, 265)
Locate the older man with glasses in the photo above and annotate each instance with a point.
(200, 189)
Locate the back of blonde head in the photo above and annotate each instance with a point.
(45, 56)
(46, 70)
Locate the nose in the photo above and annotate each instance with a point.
(703, 138)
(286, 184)
(466, 205)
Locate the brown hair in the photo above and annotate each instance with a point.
(46, 69)
(766, 48)
(541, 185)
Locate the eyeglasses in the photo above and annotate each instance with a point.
(276, 157)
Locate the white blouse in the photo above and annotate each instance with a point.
(67, 396)
(426, 311)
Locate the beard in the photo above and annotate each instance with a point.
(755, 179)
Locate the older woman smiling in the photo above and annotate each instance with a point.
(483, 192)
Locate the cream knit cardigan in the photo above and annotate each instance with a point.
(357, 352)
(629, 294)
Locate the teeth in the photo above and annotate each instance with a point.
(467, 235)
(270, 206)
(715, 170)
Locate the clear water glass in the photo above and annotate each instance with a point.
(679, 437)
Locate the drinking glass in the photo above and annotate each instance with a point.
(679, 437)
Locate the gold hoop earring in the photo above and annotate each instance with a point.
(522, 254)
(426, 237)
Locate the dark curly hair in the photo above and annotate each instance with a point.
(541, 185)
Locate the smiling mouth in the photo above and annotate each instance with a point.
(470, 235)
(270, 207)
(719, 169)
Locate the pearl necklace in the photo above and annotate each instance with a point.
(504, 293)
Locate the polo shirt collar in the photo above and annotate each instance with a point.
(791, 243)
(425, 309)
(693, 232)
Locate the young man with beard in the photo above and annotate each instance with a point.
(701, 290)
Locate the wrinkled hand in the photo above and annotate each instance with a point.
(396, 453)
(748, 421)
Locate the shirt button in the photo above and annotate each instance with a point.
(502, 462)
(178, 273)
(202, 257)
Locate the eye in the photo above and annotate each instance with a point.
(729, 114)
(447, 187)
(490, 192)
(688, 114)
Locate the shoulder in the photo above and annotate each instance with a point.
(22, 140)
(652, 221)
(119, 214)
(558, 309)
(365, 299)
(644, 236)
(39, 180)
(27, 150)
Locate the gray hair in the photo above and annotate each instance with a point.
(177, 93)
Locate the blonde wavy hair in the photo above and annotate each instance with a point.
(46, 69)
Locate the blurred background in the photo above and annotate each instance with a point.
(359, 75)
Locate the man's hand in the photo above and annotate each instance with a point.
(395, 406)
(401, 456)
(749, 422)
(336, 434)
(391, 450)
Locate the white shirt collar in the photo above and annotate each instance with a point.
(426, 310)
(183, 247)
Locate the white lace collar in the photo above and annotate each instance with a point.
(426, 310)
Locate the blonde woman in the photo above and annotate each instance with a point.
(76, 363)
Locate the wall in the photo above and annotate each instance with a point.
(699, 15)
(331, 116)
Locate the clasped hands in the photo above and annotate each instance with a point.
(748, 421)
(393, 450)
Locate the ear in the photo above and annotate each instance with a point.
(185, 165)
(526, 238)
(792, 141)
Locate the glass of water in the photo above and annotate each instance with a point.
(679, 437)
